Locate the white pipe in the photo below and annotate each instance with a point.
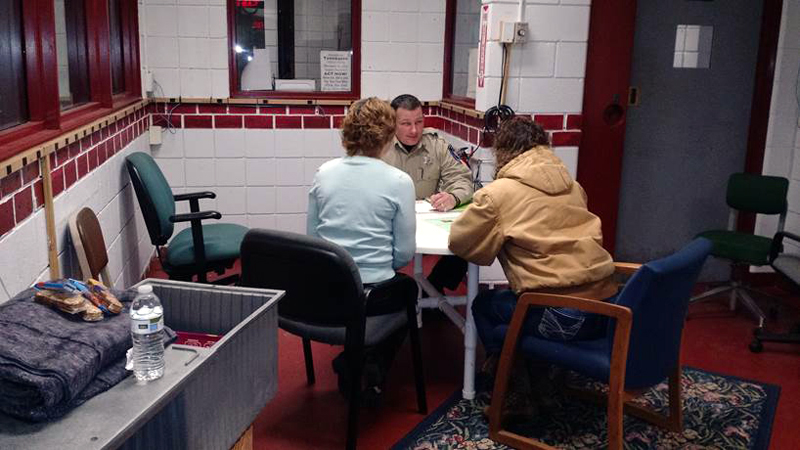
(521, 11)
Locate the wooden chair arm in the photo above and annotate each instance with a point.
(565, 301)
(626, 268)
(619, 353)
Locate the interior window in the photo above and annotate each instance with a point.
(465, 17)
(116, 47)
(73, 68)
(13, 92)
(294, 45)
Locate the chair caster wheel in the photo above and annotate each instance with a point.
(756, 346)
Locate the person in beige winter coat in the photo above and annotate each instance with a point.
(533, 218)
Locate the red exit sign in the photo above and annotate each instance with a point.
(248, 3)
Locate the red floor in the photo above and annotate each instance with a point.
(313, 417)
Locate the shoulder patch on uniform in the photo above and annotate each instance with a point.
(431, 131)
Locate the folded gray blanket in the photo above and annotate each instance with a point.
(51, 362)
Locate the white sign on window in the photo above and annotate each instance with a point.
(336, 68)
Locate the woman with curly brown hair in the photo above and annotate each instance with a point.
(366, 206)
(360, 202)
(533, 219)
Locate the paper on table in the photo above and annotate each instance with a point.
(441, 222)
(423, 206)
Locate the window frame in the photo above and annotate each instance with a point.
(355, 80)
(46, 120)
(447, 71)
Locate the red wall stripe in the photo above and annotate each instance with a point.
(316, 122)
(258, 122)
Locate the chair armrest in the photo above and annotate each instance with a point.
(777, 243)
(203, 215)
(626, 268)
(565, 301)
(194, 195)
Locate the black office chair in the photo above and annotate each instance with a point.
(326, 302)
(788, 265)
(193, 251)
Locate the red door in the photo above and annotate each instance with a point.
(608, 68)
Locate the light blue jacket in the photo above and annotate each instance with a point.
(367, 207)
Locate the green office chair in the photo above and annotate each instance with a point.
(193, 251)
(754, 194)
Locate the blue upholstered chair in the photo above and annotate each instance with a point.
(193, 251)
(641, 347)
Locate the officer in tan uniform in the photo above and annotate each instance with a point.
(426, 158)
(438, 176)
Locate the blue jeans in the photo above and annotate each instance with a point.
(495, 307)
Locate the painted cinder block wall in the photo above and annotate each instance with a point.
(262, 175)
(90, 173)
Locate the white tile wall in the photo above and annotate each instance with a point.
(402, 49)
(260, 172)
(571, 60)
(547, 71)
(782, 153)
(549, 95)
(193, 21)
(185, 46)
(229, 172)
(197, 143)
(400, 46)
(229, 143)
(264, 185)
(259, 143)
(108, 192)
(200, 172)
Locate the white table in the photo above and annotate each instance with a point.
(432, 239)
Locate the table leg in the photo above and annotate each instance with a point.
(470, 336)
(417, 274)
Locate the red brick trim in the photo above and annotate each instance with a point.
(197, 122)
(288, 122)
(316, 122)
(566, 139)
(574, 121)
(550, 121)
(221, 121)
(21, 192)
(258, 122)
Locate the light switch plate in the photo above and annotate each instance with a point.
(520, 32)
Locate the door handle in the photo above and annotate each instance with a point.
(614, 113)
(633, 96)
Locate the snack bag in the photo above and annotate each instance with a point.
(69, 296)
(104, 296)
(70, 304)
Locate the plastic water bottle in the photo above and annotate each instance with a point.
(147, 324)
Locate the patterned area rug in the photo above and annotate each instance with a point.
(720, 412)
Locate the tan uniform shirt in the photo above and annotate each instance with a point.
(432, 168)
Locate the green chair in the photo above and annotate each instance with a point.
(753, 194)
(193, 251)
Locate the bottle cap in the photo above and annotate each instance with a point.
(145, 289)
